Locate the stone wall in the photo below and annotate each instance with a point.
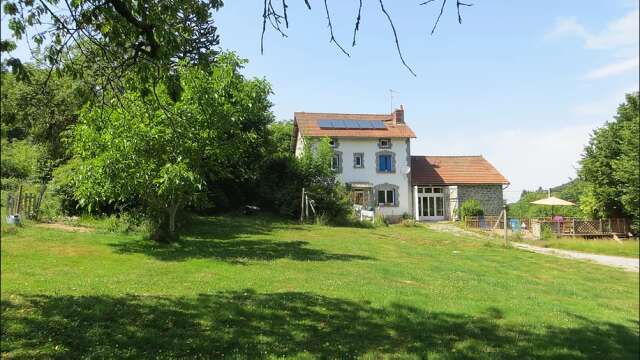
(489, 196)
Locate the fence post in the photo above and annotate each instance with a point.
(302, 206)
(506, 238)
(19, 200)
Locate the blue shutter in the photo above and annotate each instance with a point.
(381, 163)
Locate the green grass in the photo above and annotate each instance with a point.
(266, 288)
(628, 248)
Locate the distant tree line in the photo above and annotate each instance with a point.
(608, 183)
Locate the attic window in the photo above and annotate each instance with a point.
(384, 143)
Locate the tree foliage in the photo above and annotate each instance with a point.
(42, 110)
(610, 165)
(162, 152)
(117, 39)
(570, 191)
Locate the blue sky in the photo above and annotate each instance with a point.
(522, 83)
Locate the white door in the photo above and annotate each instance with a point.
(430, 203)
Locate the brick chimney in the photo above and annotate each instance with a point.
(398, 115)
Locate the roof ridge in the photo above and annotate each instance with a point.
(448, 156)
(338, 113)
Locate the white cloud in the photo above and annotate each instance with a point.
(615, 68)
(604, 108)
(567, 27)
(619, 33)
(619, 36)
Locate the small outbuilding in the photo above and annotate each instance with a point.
(441, 184)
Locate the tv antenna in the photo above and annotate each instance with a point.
(391, 92)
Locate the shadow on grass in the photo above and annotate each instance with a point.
(252, 325)
(223, 239)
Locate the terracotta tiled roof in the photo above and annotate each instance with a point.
(307, 124)
(454, 170)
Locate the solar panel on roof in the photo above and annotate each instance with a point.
(350, 124)
(325, 123)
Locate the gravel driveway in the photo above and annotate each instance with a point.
(627, 264)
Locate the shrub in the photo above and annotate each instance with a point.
(546, 233)
(10, 183)
(63, 187)
(470, 207)
(19, 159)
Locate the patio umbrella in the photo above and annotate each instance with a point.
(553, 201)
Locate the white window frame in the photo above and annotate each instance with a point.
(355, 162)
(335, 162)
(384, 143)
(388, 201)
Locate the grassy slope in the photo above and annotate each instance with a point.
(261, 287)
(628, 248)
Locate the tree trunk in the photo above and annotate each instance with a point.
(173, 208)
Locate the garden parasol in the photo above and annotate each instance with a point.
(553, 201)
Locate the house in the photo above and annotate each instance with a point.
(372, 157)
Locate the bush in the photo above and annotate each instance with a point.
(279, 185)
(10, 183)
(63, 187)
(470, 207)
(546, 233)
(19, 159)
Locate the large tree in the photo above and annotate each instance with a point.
(114, 40)
(162, 152)
(610, 166)
(144, 36)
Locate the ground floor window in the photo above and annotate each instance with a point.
(360, 197)
(430, 202)
(385, 197)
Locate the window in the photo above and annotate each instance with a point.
(385, 197)
(335, 162)
(384, 163)
(358, 160)
(384, 143)
(333, 142)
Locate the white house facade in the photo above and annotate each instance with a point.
(372, 157)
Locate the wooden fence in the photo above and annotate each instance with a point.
(25, 204)
(582, 227)
(566, 227)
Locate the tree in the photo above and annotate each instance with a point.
(144, 37)
(117, 38)
(280, 141)
(42, 113)
(610, 165)
(162, 152)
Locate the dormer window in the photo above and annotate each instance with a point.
(384, 143)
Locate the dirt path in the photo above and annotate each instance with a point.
(627, 264)
(64, 227)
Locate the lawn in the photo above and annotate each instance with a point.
(628, 248)
(260, 287)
